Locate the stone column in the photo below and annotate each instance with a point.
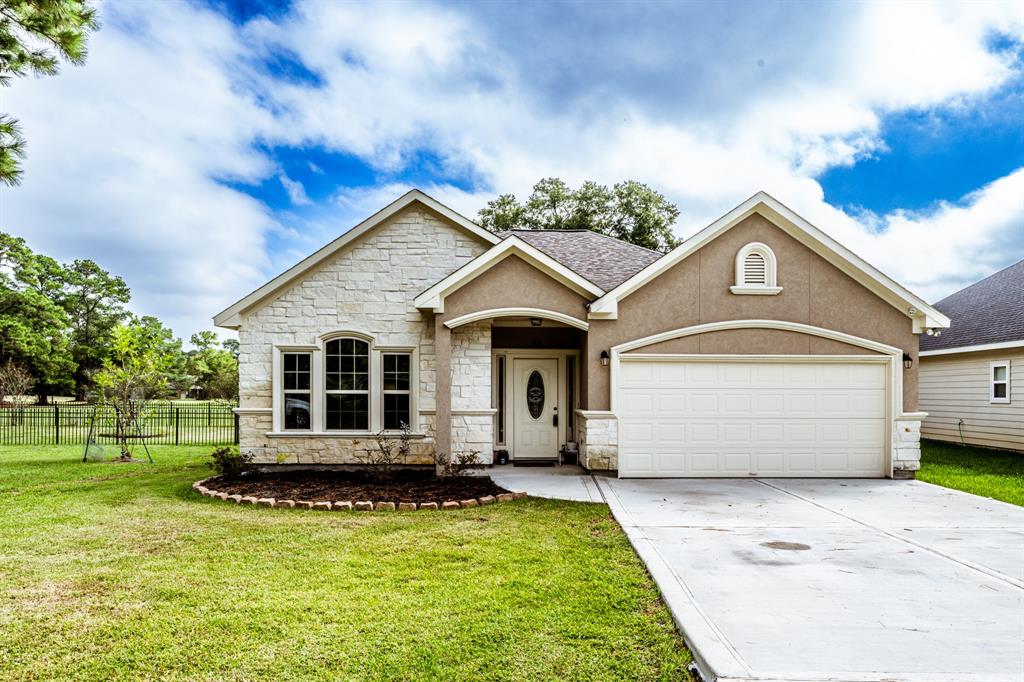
(443, 384)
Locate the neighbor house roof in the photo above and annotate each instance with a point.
(605, 261)
(986, 315)
(923, 315)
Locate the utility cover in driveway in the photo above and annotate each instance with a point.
(816, 418)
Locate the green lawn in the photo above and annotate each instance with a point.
(120, 571)
(991, 473)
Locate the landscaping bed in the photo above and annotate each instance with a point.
(329, 486)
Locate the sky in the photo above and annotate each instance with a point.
(206, 146)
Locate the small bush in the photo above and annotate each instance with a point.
(229, 462)
(459, 465)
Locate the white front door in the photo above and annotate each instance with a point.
(534, 407)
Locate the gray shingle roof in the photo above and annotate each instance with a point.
(605, 261)
(989, 311)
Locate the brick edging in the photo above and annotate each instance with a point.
(356, 506)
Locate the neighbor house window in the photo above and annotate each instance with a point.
(347, 385)
(999, 381)
(296, 382)
(397, 378)
(756, 270)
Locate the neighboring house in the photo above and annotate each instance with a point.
(759, 347)
(972, 376)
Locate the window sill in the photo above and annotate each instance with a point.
(340, 434)
(756, 291)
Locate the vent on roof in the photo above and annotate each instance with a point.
(755, 270)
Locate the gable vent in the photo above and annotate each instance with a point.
(755, 269)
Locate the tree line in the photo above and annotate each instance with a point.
(65, 329)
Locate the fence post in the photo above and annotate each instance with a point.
(56, 423)
(177, 420)
(209, 414)
(236, 429)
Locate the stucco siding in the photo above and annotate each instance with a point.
(956, 387)
(696, 291)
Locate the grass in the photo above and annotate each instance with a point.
(990, 473)
(120, 571)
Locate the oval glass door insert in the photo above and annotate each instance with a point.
(535, 394)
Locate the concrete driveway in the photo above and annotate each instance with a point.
(833, 579)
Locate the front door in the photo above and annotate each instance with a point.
(535, 408)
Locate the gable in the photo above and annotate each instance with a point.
(767, 208)
(415, 214)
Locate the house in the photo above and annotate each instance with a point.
(759, 347)
(972, 376)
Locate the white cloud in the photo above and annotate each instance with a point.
(127, 154)
(296, 192)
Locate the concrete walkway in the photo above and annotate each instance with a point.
(554, 482)
(833, 580)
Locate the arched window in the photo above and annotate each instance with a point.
(347, 385)
(755, 270)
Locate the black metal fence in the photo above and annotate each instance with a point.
(161, 423)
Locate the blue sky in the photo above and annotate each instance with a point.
(206, 146)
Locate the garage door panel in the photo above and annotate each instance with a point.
(754, 419)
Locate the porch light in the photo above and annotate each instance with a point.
(604, 358)
(908, 361)
(535, 321)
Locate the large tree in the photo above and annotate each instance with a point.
(34, 36)
(95, 303)
(32, 323)
(214, 365)
(630, 211)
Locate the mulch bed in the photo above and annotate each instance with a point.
(329, 486)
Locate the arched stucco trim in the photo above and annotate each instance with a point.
(517, 312)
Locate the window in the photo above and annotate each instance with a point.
(397, 377)
(296, 381)
(999, 381)
(755, 271)
(570, 398)
(347, 385)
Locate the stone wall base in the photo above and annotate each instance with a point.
(906, 446)
(598, 438)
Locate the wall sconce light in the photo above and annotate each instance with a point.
(604, 358)
(908, 361)
(535, 321)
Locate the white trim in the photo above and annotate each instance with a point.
(923, 315)
(433, 298)
(758, 324)
(488, 412)
(349, 435)
(230, 317)
(974, 349)
(992, 382)
(755, 291)
(246, 411)
(517, 312)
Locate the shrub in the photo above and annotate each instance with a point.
(229, 462)
(386, 453)
(459, 465)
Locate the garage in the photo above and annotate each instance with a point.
(807, 416)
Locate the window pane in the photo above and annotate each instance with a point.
(396, 411)
(999, 373)
(347, 412)
(396, 372)
(296, 411)
(347, 365)
(296, 371)
(999, 390)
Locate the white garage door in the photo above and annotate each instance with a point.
(686, 418)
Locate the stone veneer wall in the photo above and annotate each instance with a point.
(906, 449)
(472, 416)
(369, 287)
(598, 442)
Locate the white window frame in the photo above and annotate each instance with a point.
(373, 380)
(992, 383)
(285, 392)
(413, 382)
(278, 395)
(767, 288)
